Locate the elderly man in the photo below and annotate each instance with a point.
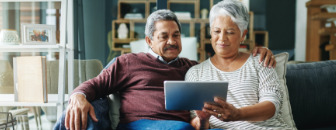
(138, 78)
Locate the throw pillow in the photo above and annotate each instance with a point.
(281, 61)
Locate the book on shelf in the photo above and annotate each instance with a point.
(183, 15)
(243, 48)
(30, 82)
(133, 16)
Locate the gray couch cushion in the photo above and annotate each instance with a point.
(83, 70)
(312, 90)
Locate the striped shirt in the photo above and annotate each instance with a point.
(250, 84)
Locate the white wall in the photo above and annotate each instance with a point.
(300, 30)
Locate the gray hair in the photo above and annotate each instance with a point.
(233, 8)
(158, 16)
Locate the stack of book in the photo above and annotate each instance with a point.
(243, 48)
(133, 16)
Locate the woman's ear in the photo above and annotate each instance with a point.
(149, 42)
(244, 35)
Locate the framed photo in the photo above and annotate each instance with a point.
(38, 34)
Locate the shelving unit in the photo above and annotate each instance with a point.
(8, 100)
(30, 48)
(317, 32)
(65, 50)
(265, 38)
(197, 27)
(195, 3)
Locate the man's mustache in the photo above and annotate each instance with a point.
(170, 46)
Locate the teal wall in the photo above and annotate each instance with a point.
(95, 29)
(278, 18)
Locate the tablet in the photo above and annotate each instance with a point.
(185, 95)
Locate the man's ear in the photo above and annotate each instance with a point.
(149, 42)
(244, 35)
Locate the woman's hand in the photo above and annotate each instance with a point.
(227, 112)
(222, 110)
(266, 55)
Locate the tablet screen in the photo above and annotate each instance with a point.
(186, 95)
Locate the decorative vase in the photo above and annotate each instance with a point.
(122, 31)
(204, 13)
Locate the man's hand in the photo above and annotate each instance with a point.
(201, 122)
(77, 110)
(266, 55)
(203, 115)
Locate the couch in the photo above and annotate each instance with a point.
(308, 101)
(312, 90)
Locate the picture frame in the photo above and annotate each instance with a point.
(38, 34)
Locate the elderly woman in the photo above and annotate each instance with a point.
(254, 98)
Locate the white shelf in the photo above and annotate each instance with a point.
(25, 104)
(8, 100)
(30, 1)
(66, 32)
(68, 48)
(30, 48)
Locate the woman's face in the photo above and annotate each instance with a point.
(225, 36)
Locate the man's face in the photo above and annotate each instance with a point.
(166, 40)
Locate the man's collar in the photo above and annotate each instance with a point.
(150, 51)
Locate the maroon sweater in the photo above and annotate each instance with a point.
(139, 80)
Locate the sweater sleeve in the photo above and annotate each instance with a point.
(107, 82)
(269, 87)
